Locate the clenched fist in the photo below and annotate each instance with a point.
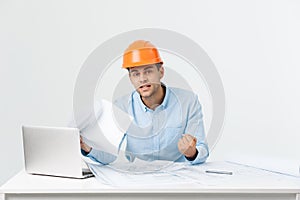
(187, 145)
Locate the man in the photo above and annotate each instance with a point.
(167, 122)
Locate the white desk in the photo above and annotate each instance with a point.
(24, 186)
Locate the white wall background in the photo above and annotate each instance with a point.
(255, 46)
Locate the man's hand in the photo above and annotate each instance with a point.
(187, 145)
(84, 146)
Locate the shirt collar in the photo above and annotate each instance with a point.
(167, 96)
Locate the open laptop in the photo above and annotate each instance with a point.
(53, 151)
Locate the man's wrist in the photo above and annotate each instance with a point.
(192, 158)
(86, 152)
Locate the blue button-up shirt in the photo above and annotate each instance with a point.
(154, 134)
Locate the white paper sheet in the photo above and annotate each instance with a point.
(107, 133)
(274, 164)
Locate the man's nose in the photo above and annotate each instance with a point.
(143, 78)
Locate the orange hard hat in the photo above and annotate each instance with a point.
(140, 53)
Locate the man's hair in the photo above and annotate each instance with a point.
(158, 66)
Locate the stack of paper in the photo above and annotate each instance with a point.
(159, 174)
(138, 173)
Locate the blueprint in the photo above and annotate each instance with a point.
(158, 173)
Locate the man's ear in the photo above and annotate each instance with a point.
(162, 72)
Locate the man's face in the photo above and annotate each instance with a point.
(146, 79)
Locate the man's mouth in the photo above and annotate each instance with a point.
(144, 86)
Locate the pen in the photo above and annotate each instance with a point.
(218, 172)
